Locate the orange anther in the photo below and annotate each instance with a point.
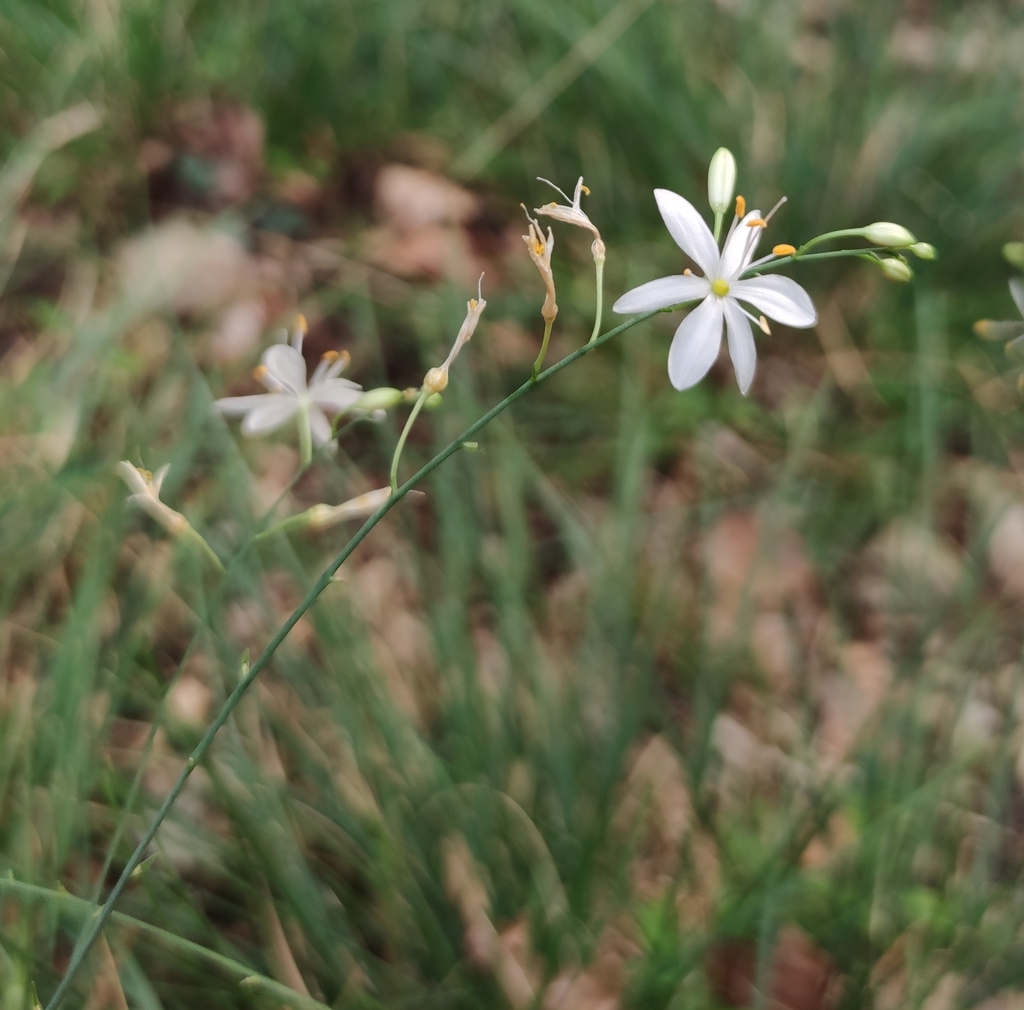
(259, 371)
(687, 272)
(757, 222)
(331, 356)
(783, 250)
(300, 324)
(741, 206)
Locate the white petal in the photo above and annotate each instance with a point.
(158, 477)
(688, 229)
(287, 366)
(1017, 291)
(319, 426)
(779, 298)
(269, 416)
(662, 293)
(741, 343)
(335, 394)
(235, 406)
(696, 343)
(740, 248)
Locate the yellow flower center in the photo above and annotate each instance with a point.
(720, 287)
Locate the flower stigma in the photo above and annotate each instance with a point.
(720, 287)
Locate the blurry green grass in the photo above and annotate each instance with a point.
(814, 106)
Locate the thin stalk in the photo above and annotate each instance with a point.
(100, 918)
(198, 540)
(244, 974)
(868, 254)
(413, 414)
(719, 217)
(548, 323)
(305, 437)
(599, 275)
(829, 235)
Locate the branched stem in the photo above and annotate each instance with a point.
(102, 915)
(869, 253)
(410, 421)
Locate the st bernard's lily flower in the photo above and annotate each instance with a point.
(145, 488)
(283, 372)
(720, 291)
(573, 214)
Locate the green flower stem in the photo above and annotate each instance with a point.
(548, 323)
(195, 538)
(81, 909)
(867, 254)
(413, 414)
(828, 236)
(719, 217)
(599, 275)
(100, 918)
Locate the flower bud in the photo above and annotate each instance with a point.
(895, 270)
(432, 401)
(892, 236)
(1014, 253)
(924, 251)
(380, 398)
(436, 380)
(721, 180)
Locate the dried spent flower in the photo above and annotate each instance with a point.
(540, 249)
(573, 214)
(1009, 329)
(436, 379)
(145, 488)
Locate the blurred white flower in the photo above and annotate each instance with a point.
(720, 291)
(540, 249)
(1009, 329)
(322, 516)
(283, 372)
(145, 488)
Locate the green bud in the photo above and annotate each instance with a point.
(924, 251)
(892, 236)
(721, 180)
(1014, 253)
(434, 400)
(381, 398)
(895, 270)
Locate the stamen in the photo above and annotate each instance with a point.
(784, 250)
(763, 323)
(741, 206)
(260, 372)
(585, 189)
(301, 325)
(687, 272)
(556, 188)
(757, 222)
(782, 200)
(330, 356)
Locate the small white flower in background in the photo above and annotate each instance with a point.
(283, 372)
(1011, 329)
(720, 292)
(436, 379)
(321, 517)
(573, 214)
(145, 488)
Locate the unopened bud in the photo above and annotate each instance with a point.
(436, 380)
(1014, 253)
(432, 401)
(924, 251)
(381, 398)
(721, 180)
(892, 236)
(895, 270)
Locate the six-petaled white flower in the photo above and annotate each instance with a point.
(720, 292)
(283, 372)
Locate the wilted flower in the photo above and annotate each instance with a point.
(540, 249)
(573, 214)
(720, 291)
(322, 516)
(1011, 329)
(436, 379)
(283, 372)
(145, 488)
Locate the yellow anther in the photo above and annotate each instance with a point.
(148, 474)
(757, 222)
(741, 206)
(687, 272)
(259, 371)
(783, 250)
(763, 323)
(473, 303)
(720, 287)
(330, 356)
(585, 189)
(300, 324)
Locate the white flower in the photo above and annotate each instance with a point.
(283, 372)
(720, 291)
(145, 488)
